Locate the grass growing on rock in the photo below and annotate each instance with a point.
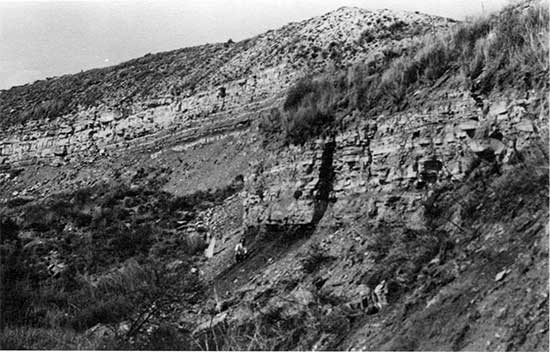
(488, 54)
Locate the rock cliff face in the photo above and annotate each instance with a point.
(418, 227)
(242, 78)
(386, 166)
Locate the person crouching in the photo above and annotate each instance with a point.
(240, 251)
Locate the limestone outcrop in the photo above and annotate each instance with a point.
(213, 100)
(386, 165)
(396, 224)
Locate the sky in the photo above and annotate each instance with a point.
(40, 39)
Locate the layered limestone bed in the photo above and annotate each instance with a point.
(392, 161)
(377, 178)
(99, 131)
(379, 170)
(316, 217)
(245, 81)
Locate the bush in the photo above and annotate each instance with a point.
(265, 332)
(167, 338)
(110, 311)
(306, 123)
(123, 276)
(271, 125)
(308, 111)
(298, 92)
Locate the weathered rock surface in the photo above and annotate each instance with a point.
(319, 218)
(277, 59)
(389, 162)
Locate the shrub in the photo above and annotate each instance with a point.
(109, 311)
(298, 92)
(271, 125)
(167, 338)
(265, 332)
(132, 242)
(306, 123)
(128, 276)
(308, 110)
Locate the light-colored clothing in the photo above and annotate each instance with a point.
(240, 249)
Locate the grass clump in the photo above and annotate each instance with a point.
(307, 113)
(33, 338)
(110, 247)
(291, 327)
(508, 49)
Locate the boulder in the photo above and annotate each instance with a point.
(498, 109)
(525, 126)
(479, 146)
(469, 125)
(209, 251)
(304, 297)
(107, 117)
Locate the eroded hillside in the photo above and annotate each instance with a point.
(389, 172)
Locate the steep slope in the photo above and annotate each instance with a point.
(185, 72)
(179, 93)
(392, 189)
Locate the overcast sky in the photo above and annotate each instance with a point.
(39, 39)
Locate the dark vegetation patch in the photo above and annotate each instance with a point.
(490, 54)
(276, 328)
(98, 256)
(307, 112)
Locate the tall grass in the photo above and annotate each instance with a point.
(115, 254)
(513, 53)
(276, 328)
(33, 338)
(307, 111)
(489, 54)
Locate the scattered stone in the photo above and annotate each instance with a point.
(525, 126)
(502, 274)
